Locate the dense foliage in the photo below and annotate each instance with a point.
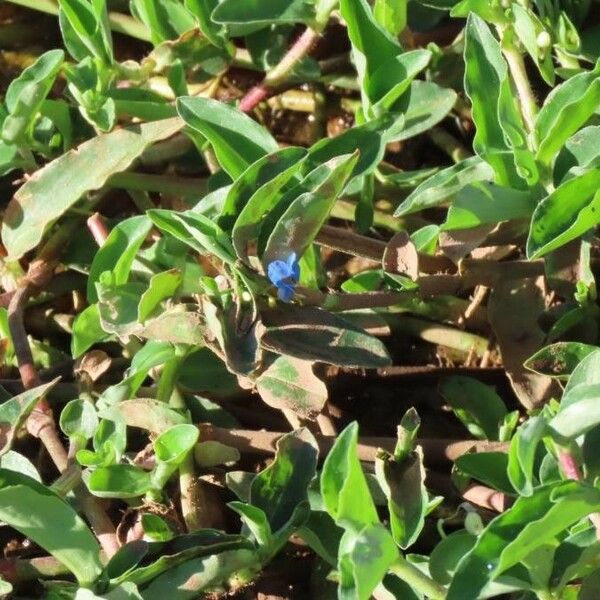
(214, 201)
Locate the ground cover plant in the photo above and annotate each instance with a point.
(298, 299)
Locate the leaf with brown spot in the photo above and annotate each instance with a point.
(290, 384)
(57, 186)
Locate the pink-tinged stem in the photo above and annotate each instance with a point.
(274, 78)
(98, 228)
(571, 470)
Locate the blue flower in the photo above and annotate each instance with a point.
(284, 275)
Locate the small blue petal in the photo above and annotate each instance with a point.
(291, 260)
(285, 292)
(277, 271)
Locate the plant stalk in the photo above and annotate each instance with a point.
(519, 75)
(417, 579)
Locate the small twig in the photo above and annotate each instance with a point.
(274, 78)
(438, 452)
(486, 497)
(97, 226)
(449, 144)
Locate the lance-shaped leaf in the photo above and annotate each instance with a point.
(567, 213)
(45, 518)
(283, 485)
(26, 93)
(241, 12)
(443, 186)
(61, 183)
(317, 335)
(485, 71)
(118, 252)
(290, 384)
(237, 140)
(529, 524)
(565, 110)
(279, 166)
(302, 221)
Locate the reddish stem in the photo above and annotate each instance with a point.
(571, 470)
(98, 228)
(277, 76)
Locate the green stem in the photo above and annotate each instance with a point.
(449, 144)
(519, 75)
(118, 22)
(417, 579)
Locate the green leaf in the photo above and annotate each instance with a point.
(485, 71)
(303, 219)
(13, 461)
(316, 335)
(528, 525)
(195, 230)
(202, 10)
(60, 184)
(443, 187)
(232, 12)
(290, 384)
(363, 561)
(567, 213)
(494, 13)
(370, 138)
(87, 330)
(425, 106)
(528, 27)
(85, 25)
(488, 467)
(477, 405)
(446, 556)
(560, 359)
(118, 252)
(187, 581)
(162, 287)
(255, 520)
(237, 140)
(566, 109)
(283, 485)
(36, 512)
(403, 482)
(250, 221)
(399, 71)
(391, 14)
(14, 412)
(79, 420)
(166, 19)
(486, 204)
(587, 371)
(522, 454)
(372, 45)
(119, 481)
(579, 411)
(273, 170)
(344, 489)
(581, 151)
(26, 93)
